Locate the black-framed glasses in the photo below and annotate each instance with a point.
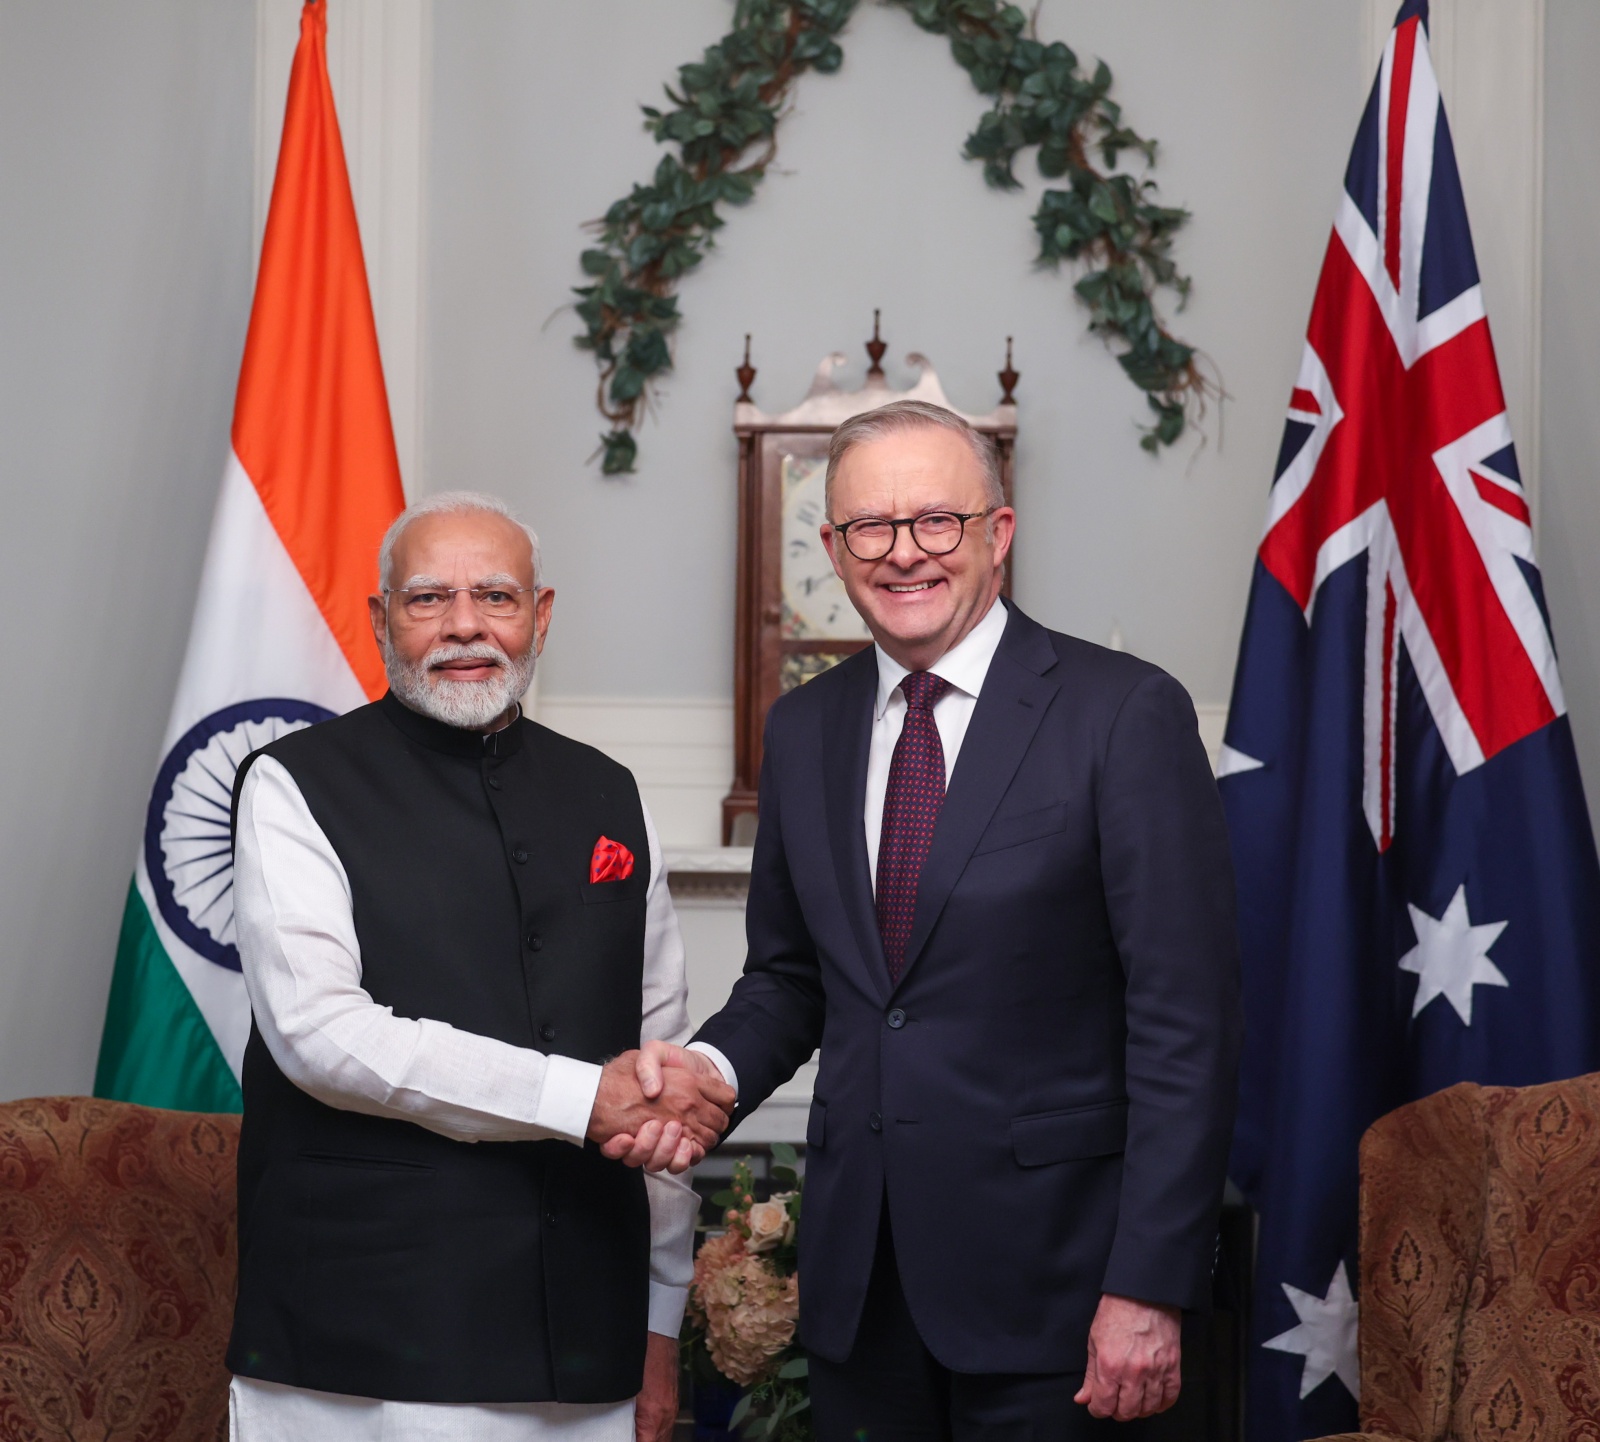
(428, 603)
(937, 533)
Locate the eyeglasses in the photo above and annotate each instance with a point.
(937, 533)
(428, 603)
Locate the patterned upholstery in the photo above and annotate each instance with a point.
(116, 1271)
(1480, 1267)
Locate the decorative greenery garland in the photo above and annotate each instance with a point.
(723, 123)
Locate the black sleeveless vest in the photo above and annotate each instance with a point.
(378, 1258)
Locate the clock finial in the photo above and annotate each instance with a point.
(1008, 379)
(875, 349)
(744, 375)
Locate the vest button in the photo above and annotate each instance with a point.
(896, 1019)
(535, 941)
(547, 1032)
(875, 1121)
(519, 856)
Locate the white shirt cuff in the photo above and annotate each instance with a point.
(724, 1066)
(566, 1100)
(667, 1306)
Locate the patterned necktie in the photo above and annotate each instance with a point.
(911, 805)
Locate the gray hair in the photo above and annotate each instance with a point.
(900, 416)
(448, 503)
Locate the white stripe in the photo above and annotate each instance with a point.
(1487, 525)
(1460, 743)
(1291, 485)
(1422, 115)
(1376, 663)
(257, 633)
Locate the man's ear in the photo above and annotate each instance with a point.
(543, 604)
(831, 544)
(379, 617)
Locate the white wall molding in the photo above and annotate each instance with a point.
(681, 752)
(379, 58)
(1489, 56)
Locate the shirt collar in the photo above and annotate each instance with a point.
(964, 665)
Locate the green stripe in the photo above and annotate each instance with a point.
(157, 1049)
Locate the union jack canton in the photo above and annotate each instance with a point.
(1417, 878)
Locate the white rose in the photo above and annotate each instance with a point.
(770, 1226)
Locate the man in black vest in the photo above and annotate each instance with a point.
(455, 933)
(992, 883)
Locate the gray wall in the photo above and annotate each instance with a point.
(125, 147)
(1569, 519)
(537, 128)
(126, 150)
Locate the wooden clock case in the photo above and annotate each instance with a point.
(769, 656)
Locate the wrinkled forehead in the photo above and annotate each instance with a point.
(464, 548)
(921, 469)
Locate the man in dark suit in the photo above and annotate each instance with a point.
(991, 882)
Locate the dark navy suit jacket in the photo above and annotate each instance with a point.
(1047, 1096)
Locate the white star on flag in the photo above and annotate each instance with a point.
(1452, 956)
(1326, 1336)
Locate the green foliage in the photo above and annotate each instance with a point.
(722, 123)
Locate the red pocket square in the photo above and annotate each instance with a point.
(612, 861)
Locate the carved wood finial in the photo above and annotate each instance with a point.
(745, 374)
(1008, 379)
(875, 349)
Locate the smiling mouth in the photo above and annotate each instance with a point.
(910, 586)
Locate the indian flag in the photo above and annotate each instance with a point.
(280, 637)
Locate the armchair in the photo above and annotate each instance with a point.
(1480, 1267)
(116, 1271)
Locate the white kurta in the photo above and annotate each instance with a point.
(302, 969)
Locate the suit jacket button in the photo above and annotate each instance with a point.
(519, 855)
(535, 941)
(549, 1219)
(494, 783)
(547, 1032)
(897, 1019)
(875, 1121)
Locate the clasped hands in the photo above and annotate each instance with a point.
(661, 1108)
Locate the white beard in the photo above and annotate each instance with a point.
(470, 705)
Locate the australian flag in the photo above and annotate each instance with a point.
(1419, 893)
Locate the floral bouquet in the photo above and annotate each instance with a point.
(745, 1300)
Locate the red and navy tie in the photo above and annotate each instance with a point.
(911, 805)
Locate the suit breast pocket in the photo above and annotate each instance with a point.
(1007, 831)
(607, 893)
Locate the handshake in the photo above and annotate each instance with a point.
(661, 1108)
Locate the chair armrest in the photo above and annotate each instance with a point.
(1363, 1437)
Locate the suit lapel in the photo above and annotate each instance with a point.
(1014, 699)
(845, 744)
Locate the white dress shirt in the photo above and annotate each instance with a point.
(302, 969)
(964, 666)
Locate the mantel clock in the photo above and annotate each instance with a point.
(792, 618)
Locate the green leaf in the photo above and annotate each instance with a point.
(798, 1367)
(620, 452)
(626, 385)
(785, 1154)
(741, 1410)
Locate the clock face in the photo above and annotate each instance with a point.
(815, 606)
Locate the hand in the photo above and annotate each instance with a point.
(1134, 1351)
(655, 1148)
(681, 1122)
(656, 1407)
